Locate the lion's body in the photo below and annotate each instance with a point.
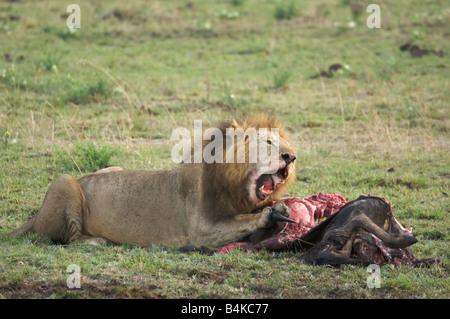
(195, 204)
(137, 199)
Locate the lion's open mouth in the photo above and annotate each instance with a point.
(267, 183)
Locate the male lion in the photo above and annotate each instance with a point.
(196, 203)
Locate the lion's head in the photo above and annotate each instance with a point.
(257, 167)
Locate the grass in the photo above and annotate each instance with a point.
(111, 94)
(281, 79)
(86, 157)
(285, 11)
(83, 93)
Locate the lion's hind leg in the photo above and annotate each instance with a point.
(61, 215)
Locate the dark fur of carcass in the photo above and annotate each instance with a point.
(363, 231)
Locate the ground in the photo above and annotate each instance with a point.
(112, 92)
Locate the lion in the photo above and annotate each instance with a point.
(201, 204)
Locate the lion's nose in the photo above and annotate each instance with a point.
(288, 157)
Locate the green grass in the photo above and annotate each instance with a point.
(86, 157)
(83, 93)
(111, 94)
(285, 11)
(281, 79)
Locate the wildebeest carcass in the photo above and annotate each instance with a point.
(364, 231)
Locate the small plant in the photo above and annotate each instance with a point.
(231, 99)
(86, 157)
(345, 2)
(62, 32)
(51, 63)
(88, 92)
(10, 78)
(225, 14)
(6, 135)
(237, 2)
(285, 11)
(281, 79)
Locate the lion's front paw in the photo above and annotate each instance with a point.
(266, 217)
(281, 212)
(282, 209)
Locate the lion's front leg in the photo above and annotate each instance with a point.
(237, 227)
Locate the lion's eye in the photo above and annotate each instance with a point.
(269, 142)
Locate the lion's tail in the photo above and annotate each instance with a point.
(24, 229)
